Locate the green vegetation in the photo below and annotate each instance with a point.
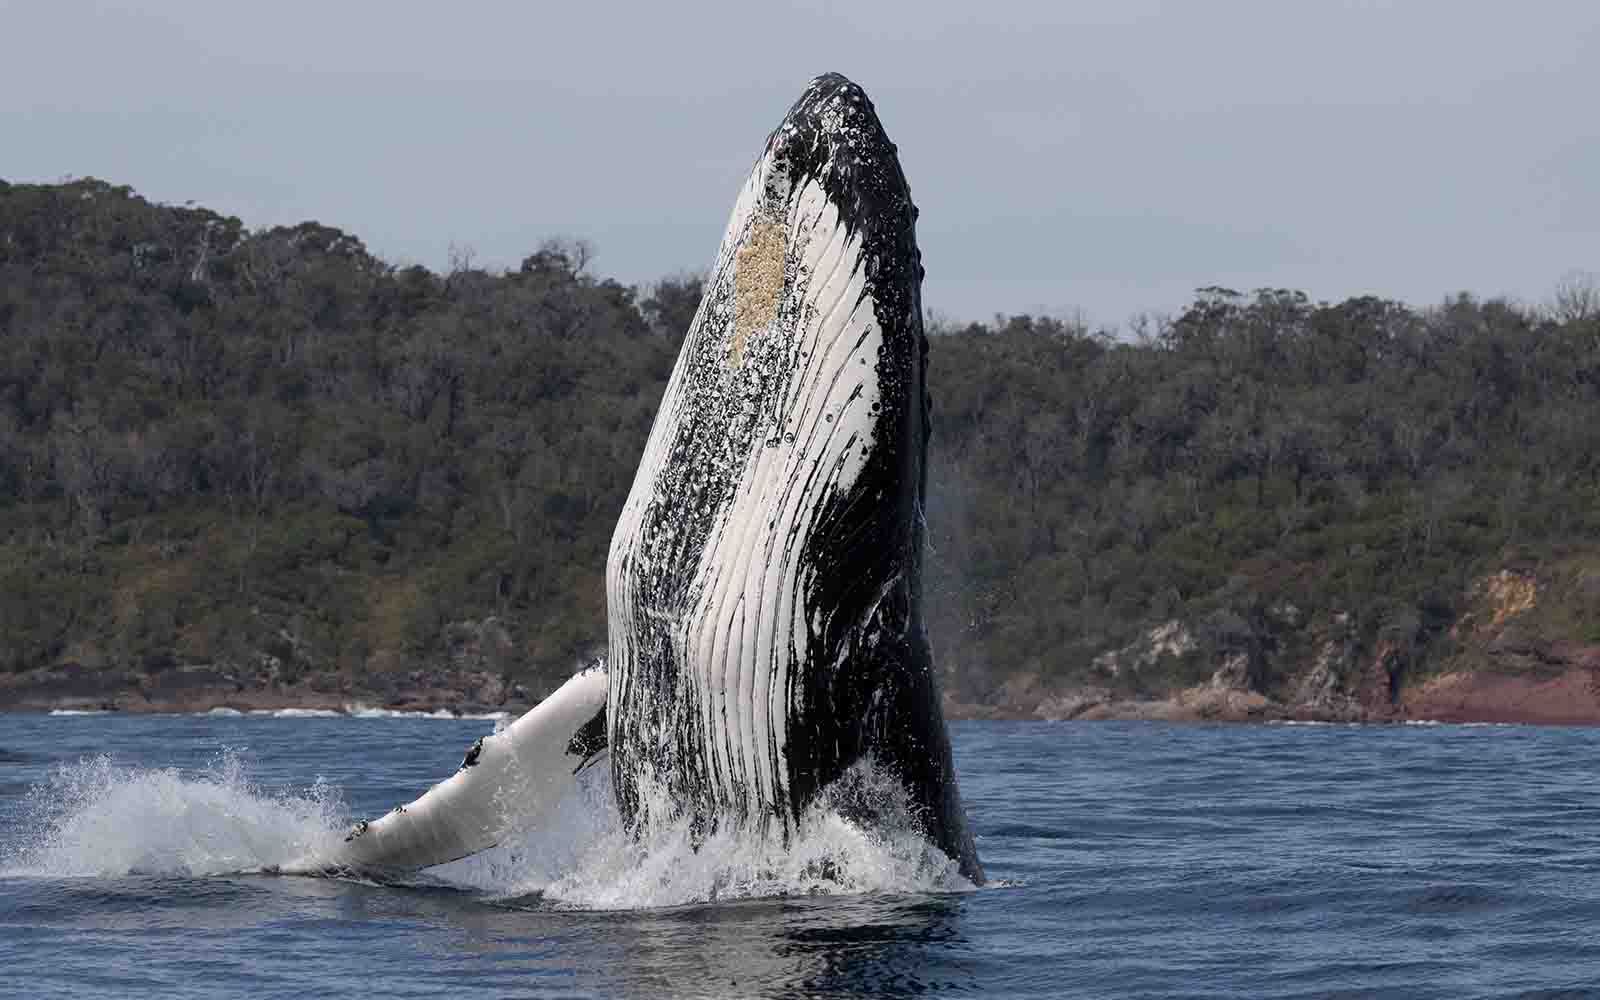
(219, 444)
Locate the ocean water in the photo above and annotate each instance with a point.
(1127, 860)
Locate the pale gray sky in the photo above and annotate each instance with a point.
(1108, 156)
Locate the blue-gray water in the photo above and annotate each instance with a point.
(1129, 860)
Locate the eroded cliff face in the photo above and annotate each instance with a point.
(1527, 649)
(1522, 646)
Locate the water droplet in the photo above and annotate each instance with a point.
(788, 438)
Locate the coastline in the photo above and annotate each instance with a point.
(197, 690)
(1569, 697)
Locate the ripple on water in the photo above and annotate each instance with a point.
(1130, 860)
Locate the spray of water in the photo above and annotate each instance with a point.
(857, 838)
(96, 818)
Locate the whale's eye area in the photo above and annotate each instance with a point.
(757, 281)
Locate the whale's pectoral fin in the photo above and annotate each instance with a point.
(509, 781)
(589, 743)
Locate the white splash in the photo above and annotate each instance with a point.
(98, 818)
(828, 853)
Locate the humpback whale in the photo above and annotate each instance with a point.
(763, 583)
(764, 578)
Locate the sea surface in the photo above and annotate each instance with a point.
(1126, 860)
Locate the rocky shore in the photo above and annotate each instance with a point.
(1560, 696)
(1569, 697)
(202, 688)
(1516, 653)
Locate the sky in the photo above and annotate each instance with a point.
(1092, 159)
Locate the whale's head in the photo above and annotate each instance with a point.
(764, 576)
(828, 190)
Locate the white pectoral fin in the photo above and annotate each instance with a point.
(508, 781)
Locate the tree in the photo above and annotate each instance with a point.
(1576, 298)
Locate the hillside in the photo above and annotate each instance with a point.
(265, 467)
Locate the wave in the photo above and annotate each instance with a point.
(96, 818)
(1462, 725)
(1403, 722)
(360, 711)
(1318, 724)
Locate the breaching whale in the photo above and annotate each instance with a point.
(764, 578)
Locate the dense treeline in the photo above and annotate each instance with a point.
(215, 442)
(219, 445)
(1260, 466)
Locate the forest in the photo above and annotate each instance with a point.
(219, 444)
